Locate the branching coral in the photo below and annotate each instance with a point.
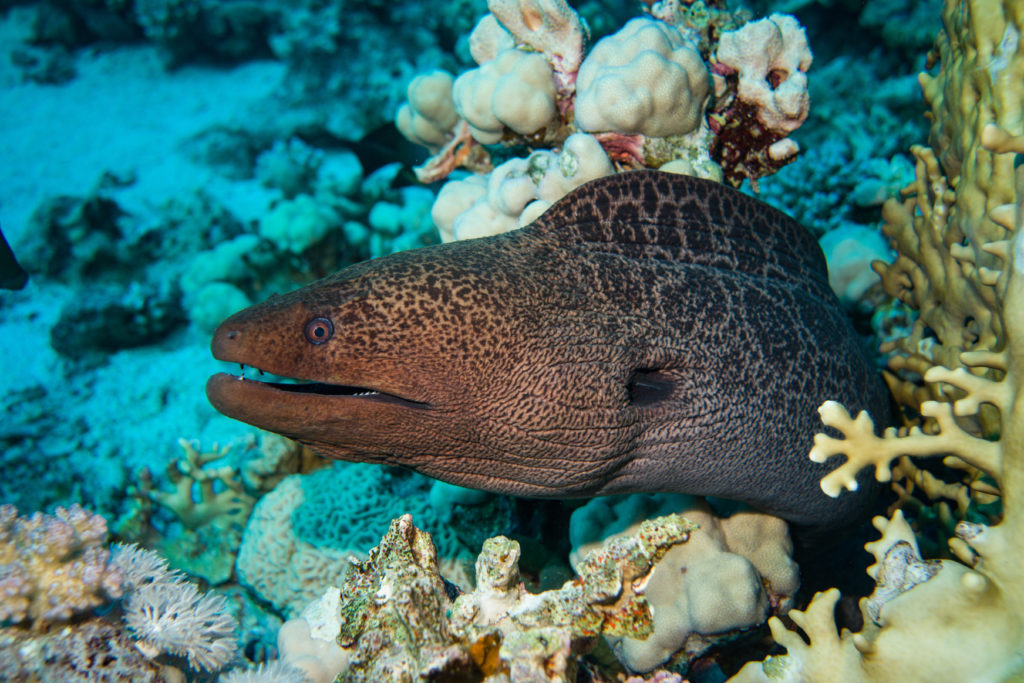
(961, 246)
(202, 494)
(212, 495)
(209, 499)
(924, 617)
(951, 229)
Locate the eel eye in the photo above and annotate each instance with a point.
(318, 330)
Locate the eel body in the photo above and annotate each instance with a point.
(650, 332)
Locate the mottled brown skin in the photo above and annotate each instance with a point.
(650, 332)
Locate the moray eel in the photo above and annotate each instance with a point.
(649, 332)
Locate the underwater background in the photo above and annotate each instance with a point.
(170, 162)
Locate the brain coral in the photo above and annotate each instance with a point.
(353, 522)
(301, 535)
(278, 567)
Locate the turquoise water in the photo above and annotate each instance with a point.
(169, 163)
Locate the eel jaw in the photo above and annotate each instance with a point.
(321, 388)
(300, 410)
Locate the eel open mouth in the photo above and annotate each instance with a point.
(305, 386)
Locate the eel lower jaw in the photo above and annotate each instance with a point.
(226, 387)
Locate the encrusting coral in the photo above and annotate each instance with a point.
(960, 238)
(760, 74)
(397, 620)
(730, 576)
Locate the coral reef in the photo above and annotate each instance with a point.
(960, 262)
(58, 570)
(316, 41)
(641, 98)
(530, 122)
(953, 207)
(211, 498)
(277, 566)
(118, 318)
(761, 88)
(645, 79)
(398, 621)
(92, 651)
(327, 214)
(302, 535)
(730, 576)
(53, 567)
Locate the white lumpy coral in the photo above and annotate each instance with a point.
(428, 116)
(725, 578)
(771, 57)
(515, 90)
(518, 191)
(646, 78)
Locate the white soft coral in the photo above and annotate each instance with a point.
(168, 614)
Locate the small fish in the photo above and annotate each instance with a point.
(12, 275)
(650, 332)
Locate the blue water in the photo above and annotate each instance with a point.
(166, 164)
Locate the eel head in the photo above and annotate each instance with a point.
(442, 360)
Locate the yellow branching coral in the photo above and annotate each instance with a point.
(930, 620)
(960, 236)
(951, 230)
(221, 497)
(213, 497)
